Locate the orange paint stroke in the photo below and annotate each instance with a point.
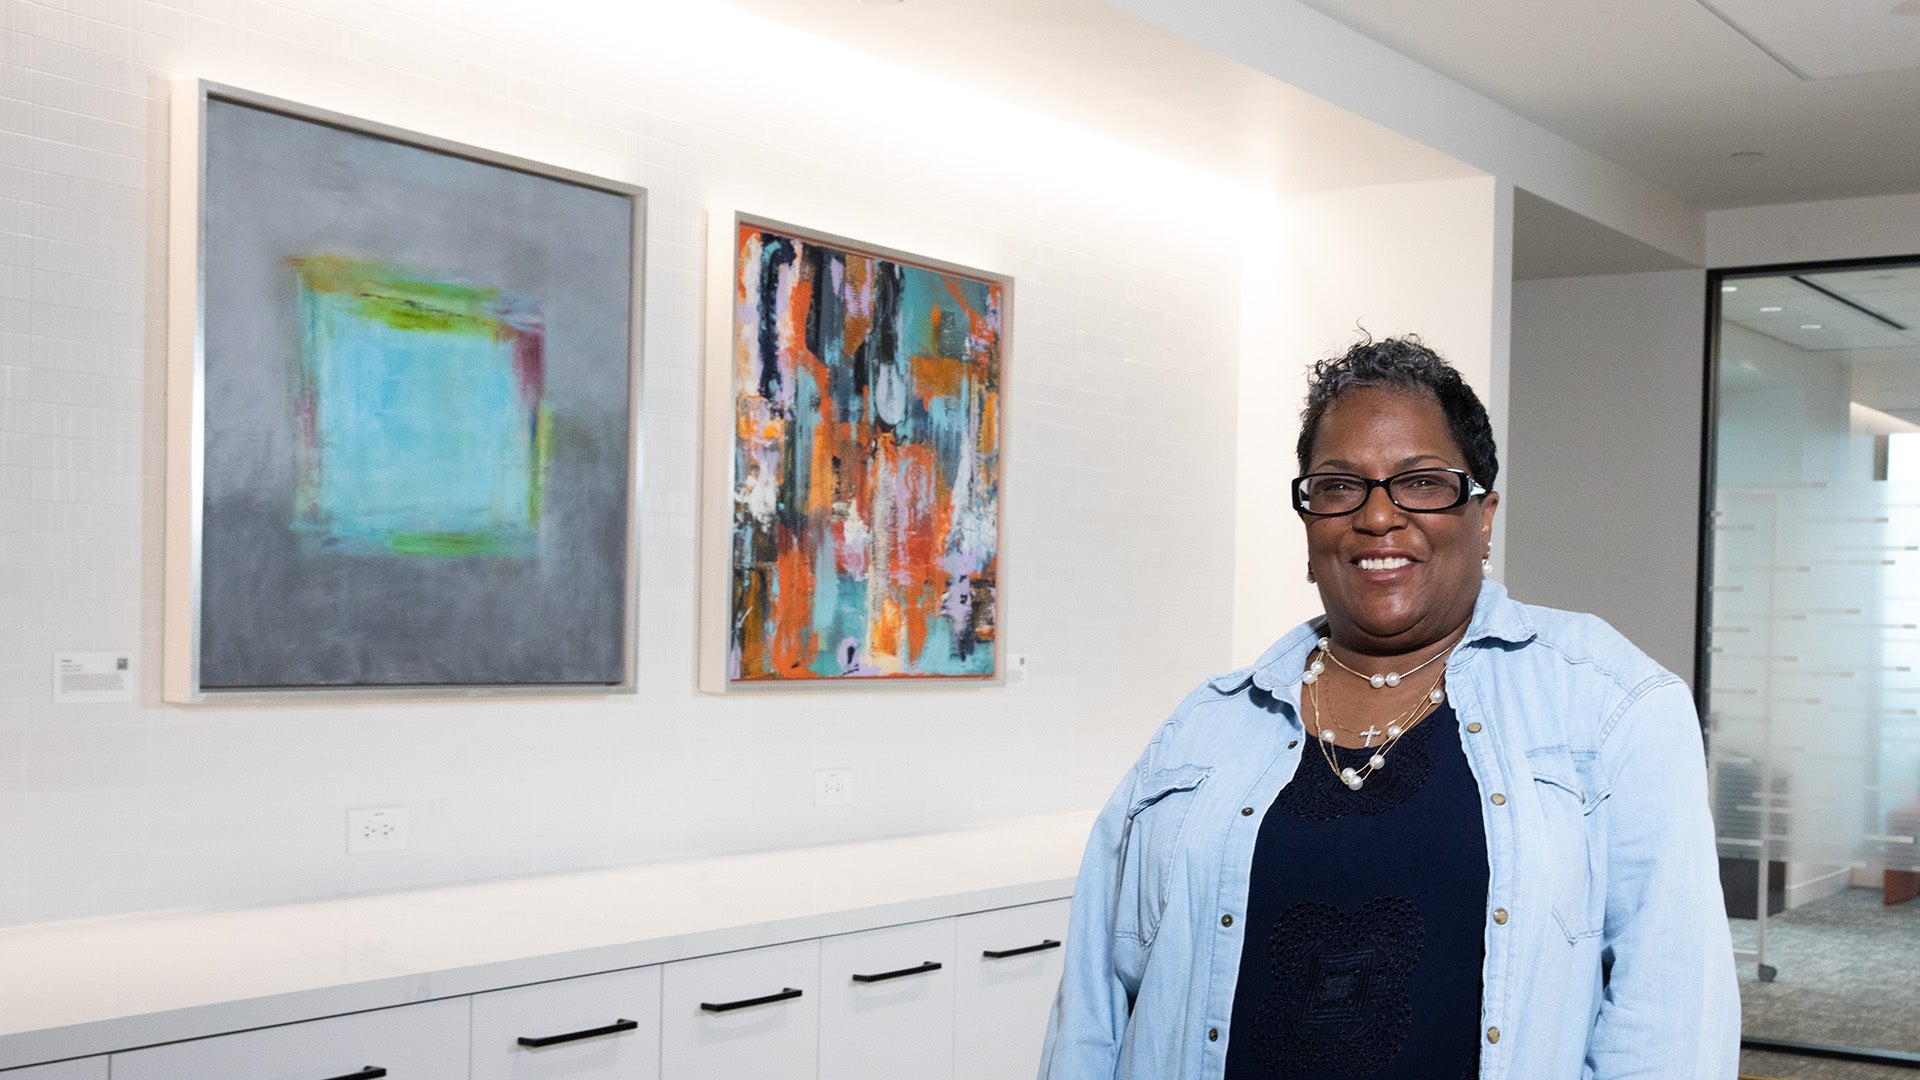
(919, 514)
(851, 482)
(793, 328)
(921, 519)
(793, 646)
(757, 424)
(858, 323)
(819, 493)
(886, 629)
(937, 376)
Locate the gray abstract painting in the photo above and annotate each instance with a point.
(417, 448)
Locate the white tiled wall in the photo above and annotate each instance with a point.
(1118, 499)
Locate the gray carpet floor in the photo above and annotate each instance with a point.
(1849, 975)
(1764, 1066)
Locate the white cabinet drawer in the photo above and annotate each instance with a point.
(1001, 1001)
(886, 1010)
(601, 1027)
(89, 1068)
(412, 1042)
(737, 1016)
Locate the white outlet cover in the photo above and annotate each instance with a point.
(372, 829)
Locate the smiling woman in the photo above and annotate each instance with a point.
(1432, 833)
(1400, 573)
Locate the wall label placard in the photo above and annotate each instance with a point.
(91, 677)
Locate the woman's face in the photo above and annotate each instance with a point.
(1424, 569)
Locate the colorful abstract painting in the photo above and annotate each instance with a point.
(866, 463)
(417, 383)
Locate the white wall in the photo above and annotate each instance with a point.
(1119, 501)
(1603, 455)
(1814, 231)
(1429, 258)
(1783, 412)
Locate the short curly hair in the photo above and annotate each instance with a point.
(1403, 363)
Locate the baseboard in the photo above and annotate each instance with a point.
(1817, 888)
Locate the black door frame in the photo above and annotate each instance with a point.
(1703, 578)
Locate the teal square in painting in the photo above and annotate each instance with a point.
(422, 433)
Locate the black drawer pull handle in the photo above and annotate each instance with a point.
(371, 1072)
(1001, 954)
(552, 1040)
(729, 1006)
(931, 965)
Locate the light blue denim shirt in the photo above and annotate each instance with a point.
(1607, 949)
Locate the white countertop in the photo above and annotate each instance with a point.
(92, 986)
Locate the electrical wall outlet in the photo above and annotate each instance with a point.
(376, 828)
(833, 787)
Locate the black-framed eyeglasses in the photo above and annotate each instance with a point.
(1422, 491)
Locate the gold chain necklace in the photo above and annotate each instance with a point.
(1353, 778)
(1378, 682)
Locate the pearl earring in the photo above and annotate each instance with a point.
(1310, 575)
(1486, 567)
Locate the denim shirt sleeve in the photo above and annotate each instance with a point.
(1670, 1006)
(1096, 995)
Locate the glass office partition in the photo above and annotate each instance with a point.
(1810, 667)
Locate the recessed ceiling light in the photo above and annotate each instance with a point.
(1809, 326)
(1746, 155)
(1729, 288)
(1770, 308)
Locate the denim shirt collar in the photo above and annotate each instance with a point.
(1496, 617)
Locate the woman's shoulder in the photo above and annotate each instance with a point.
(1587, 641)
(1232, 707)
(1573, 681)
(1537, 638)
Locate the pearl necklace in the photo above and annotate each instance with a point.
(1355, 779)
(1378, 682)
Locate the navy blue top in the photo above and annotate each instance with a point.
(1365, 920)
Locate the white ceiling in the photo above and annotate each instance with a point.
(1674, 89)
(1820, 315)
(1867, 313)
(1714, 104)
(1830, 39)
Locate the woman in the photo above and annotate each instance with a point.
(1434, 833)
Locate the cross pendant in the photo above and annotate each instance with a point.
(1369, 735)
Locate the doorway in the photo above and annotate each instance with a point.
(1809, 652)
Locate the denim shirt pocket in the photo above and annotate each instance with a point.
(1155, 821)
(1569, 789)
